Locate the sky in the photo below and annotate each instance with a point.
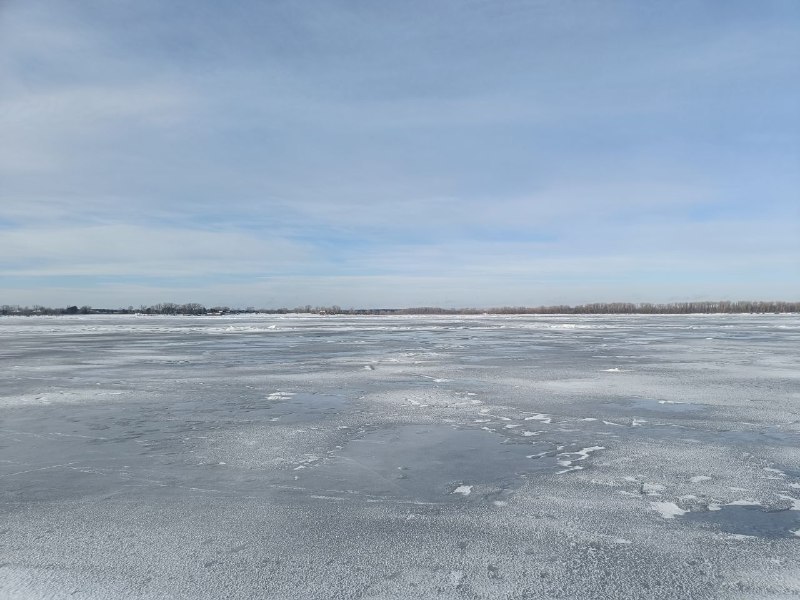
(390, 154)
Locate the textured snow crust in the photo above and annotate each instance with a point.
(400, 457)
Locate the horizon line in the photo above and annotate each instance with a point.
(197, 309)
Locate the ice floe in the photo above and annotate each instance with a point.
(540, 417)
(668, 510)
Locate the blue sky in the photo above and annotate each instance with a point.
(398, 153)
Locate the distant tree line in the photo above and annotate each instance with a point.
(598, 308)
(646, 308)
(37, 309)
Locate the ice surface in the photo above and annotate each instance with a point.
(668, 510)
(299, 456)
(430, 463)
(748, 519)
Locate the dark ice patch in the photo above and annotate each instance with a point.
(304, 408)
(749, 520)
(427, 464)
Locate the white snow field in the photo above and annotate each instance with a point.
(471, 457)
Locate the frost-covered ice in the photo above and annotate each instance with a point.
(700, 478)
(668, 510)
(397, 457)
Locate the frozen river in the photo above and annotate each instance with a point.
(400, 457)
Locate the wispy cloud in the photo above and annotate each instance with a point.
(114, 250)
